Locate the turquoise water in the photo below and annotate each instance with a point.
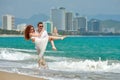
(74, 47)
(76, 58)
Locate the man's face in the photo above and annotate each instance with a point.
(40, 27)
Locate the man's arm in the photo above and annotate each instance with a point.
(45, 34)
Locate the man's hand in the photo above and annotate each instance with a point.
(33, 39)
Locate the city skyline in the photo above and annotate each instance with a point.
(28, 8)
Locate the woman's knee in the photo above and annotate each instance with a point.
(50, 38)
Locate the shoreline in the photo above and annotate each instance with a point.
(15, 35)
(15, 76)
(11, 35)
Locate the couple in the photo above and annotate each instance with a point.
(40, 38)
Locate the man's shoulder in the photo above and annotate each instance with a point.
(45, 31)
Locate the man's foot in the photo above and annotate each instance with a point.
(42, 64)
(54, 48)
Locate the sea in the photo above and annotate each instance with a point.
(76, 58)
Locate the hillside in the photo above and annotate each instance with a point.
(110, 24)
(32, 20)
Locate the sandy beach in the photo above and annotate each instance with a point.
(15, 76)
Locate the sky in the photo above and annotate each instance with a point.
(28, 8)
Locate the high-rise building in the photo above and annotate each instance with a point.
(48, 26)
(21, 27)
(80, 23)
(94, 25)
(8, 22)
(58, 18)
(75, 24)
(69, 21)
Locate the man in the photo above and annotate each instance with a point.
(41, 44)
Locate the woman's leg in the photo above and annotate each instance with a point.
(51, 38)
(56, 37)
(53, 45)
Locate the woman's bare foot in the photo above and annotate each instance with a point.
(63, 37)
(54, 48)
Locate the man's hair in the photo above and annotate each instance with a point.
(39, 23)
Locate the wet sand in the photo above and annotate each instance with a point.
(15, 76)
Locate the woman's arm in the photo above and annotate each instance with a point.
(36, 34)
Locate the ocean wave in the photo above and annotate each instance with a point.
(58, 63)
(86, 66)
(15, 54)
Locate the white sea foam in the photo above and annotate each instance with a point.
(87, 65)
(14, 49)
(12, 54)
(60, 63)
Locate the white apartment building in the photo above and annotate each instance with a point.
(80, 24)
(69, 21)
(8, 22)
(21, 27)
(58, 18)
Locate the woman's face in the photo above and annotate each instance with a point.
(31, 30)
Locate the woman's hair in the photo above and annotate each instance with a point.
(27, 31)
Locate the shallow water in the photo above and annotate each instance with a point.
(76, 58)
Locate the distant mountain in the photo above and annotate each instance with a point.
(105, 17)
(107, 20)
(111, 24)
(32, 20)
(0, 22)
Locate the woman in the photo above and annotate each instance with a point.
(29, 33)
(40, 41)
